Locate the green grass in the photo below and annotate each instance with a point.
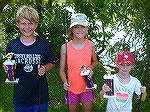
(56, 94)
(6, 95)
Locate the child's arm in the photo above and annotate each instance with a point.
(144, 94)
(94, 58)
(49, 66)
(105, 88)
(62, 73)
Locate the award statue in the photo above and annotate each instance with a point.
(85, 73)
(11, 66)
(109, 80)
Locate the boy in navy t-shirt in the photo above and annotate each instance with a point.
(31, 92)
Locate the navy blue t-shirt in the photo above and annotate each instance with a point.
(30, 85)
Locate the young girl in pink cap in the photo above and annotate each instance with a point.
(124, 85)
(80, 51)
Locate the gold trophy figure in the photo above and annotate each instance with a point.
(109, 80)
(85, 73)
(11, 66)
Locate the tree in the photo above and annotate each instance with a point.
(106, 17)
(54, 22)
(3, 3)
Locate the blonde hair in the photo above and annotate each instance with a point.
(28, 13)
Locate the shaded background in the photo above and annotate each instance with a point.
(106, 17)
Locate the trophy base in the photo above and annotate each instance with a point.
(106, 96)
(12, 82)
(94, 87)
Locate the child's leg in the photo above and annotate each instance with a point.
(87, 107)
(73, 102)
(87, 100)
(73, 108)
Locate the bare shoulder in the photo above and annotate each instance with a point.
(91, 44)
(63, 48)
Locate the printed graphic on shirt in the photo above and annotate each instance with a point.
(28, 68)
(28, 60)
(121, 99)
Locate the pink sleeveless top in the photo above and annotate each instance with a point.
(77, 58)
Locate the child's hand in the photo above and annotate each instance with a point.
(5, 68)
(144, 94)
(105, 88)
(66, 85)
(41, 70)
(143, 89)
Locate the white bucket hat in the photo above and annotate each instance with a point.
(79, 19)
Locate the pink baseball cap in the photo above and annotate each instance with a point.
(125, 57)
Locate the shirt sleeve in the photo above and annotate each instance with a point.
(50, 57)
(137, 87)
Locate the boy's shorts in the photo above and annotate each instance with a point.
(75, 98)
(34, 108)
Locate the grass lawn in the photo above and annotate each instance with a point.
(6, 91)
(56, 94)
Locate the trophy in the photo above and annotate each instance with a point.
(109, 80)
(85, 74)
(11, 66)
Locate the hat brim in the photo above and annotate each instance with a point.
(77, 23)
(126, 62)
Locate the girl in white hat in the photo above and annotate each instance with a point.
(80, 51)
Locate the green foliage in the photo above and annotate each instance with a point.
(130, 16)
(6, 96)
(53, 24)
